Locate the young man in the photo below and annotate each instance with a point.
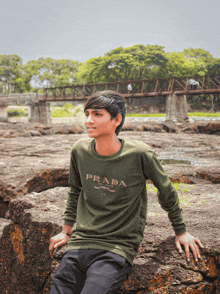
(108, 203)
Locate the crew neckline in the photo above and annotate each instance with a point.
(106, 157)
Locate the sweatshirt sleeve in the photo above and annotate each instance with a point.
(73, 194)
(167, 194)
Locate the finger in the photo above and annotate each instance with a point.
(51, 253)
(195, 251)
(51, 245)
(178, 246)
(58, 244)
(51, 248)
(54, 245)
(187, 253)
(198, 242)
(56, 239)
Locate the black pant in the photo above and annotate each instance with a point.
(90, 271)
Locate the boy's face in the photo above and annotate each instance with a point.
(99, 124)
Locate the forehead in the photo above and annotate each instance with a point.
(92, 110)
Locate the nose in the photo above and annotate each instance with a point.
(89, 119)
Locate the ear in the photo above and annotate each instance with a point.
(118, 120)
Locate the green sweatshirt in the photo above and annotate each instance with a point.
(108, 198)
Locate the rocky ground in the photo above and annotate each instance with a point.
(33, 190)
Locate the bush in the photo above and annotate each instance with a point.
(67, 110)
(17, 112)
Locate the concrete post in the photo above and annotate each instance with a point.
(182, 108)
(3, 113)
(171, 108)
(176, 108)
(40, 112)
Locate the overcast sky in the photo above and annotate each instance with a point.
(83, 29)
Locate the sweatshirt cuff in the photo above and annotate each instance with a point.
(180, 230)
(69, 222)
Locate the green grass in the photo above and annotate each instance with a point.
(60, 113)
(179, 187)
(17, 112)
(67, 110)
(146, 115)
(203, 114)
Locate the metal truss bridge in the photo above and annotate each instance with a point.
(140, 88)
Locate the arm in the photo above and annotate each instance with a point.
(167, 195)
(60, 239)
(69, 221)
(169, 201)
(71, 208)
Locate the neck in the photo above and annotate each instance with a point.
(107, 146)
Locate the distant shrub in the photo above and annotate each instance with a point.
(67, 110)
(17, 112)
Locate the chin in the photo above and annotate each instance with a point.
(91, 135)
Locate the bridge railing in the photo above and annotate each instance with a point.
(140, 88)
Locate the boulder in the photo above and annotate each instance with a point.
(25, 261)
(203, 127)
(40, 181)
(18, 129)
(33, 218)
(33, 194)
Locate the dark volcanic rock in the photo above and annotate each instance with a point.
(25, 260)
(203, 127)
(18, 129)
(33, 194)
(41, 181)
(210, 128)
(27, 266)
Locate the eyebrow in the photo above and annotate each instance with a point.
(95, 110)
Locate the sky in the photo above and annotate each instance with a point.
(83, 29)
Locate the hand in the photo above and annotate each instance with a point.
(57, 241)
(189, 242)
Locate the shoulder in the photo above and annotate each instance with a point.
(138, 147)
(82, 144)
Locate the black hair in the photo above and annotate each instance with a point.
(111, 101)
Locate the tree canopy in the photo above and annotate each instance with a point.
(48, 72)
(10, 71)
(135, 62)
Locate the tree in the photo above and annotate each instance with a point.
(136, 62)
(197, 53)
(10, 71)
(202, 58)
(48, 72)
(150, 61)
(180, 65)
(214, 68)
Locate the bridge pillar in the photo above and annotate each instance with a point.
(3, 113)
(40, 112)
(176, 108)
